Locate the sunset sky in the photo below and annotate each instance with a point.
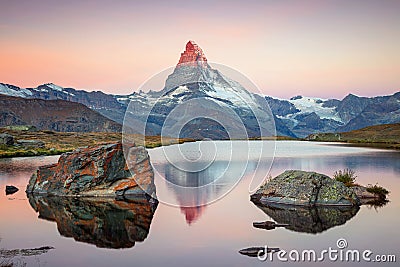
(314, 48)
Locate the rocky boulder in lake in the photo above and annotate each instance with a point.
(96, 171)
(10, 189)
(302, 188)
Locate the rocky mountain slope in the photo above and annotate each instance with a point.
(57, 115)
(105, 104)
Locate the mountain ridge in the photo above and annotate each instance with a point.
(351, 109)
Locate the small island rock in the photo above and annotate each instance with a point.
(10, 189)
(303, 188)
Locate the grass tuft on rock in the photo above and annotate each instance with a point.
(378, 190)
(346, 176)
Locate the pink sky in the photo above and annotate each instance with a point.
(314, 48)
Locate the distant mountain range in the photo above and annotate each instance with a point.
(192, 79)
(306, 115)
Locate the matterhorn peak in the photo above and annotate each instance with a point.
(192, 56)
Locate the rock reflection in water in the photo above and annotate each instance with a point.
(309, 219)
(104, 222)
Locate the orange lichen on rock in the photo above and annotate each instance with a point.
(125, 185)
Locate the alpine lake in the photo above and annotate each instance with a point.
(207, 227)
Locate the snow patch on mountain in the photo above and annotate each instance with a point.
(122, 99)
(55, 87)
(225, 88)
(180, 90)
(14, 91)
(313, 104)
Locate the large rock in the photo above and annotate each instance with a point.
(305, 189)
(10, 189)
(96, 171)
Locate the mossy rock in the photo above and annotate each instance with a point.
(303, 188)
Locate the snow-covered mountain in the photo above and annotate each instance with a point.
(11, 90)
(317, 105)
(225, 100)
(210, 104)
(50, 88)
(305, 115)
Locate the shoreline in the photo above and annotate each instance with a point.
(377, 145)
(26, 143)
(57, 143)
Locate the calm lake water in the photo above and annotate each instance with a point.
(107, 233)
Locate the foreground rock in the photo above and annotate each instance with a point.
(305, 189)
(104, 222)
(96, 171)
(10, 189)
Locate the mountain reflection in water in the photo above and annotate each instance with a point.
(193, 190)
(104, 222)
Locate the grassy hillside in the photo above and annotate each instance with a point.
(385, 135)
(59, 142)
